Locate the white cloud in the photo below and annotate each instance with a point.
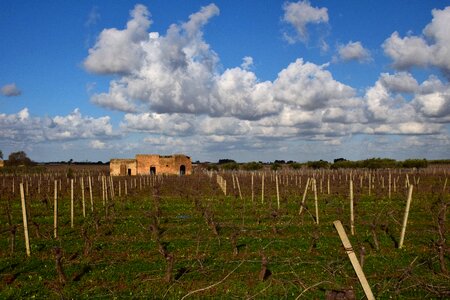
(430, 49)
(354, 51)
(309, 86)
(166, 124)
(10, 90)
(97, 144)
(401, 82)
(22, 127)
(119, 51)
(435, 104)
(180, 97)
(300, 14)
(247, 62)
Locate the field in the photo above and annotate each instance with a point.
(170, 237)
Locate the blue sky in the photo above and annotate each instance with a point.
(248, 80)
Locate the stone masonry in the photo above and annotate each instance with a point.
(146, 164)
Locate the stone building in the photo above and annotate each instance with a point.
(146, 164)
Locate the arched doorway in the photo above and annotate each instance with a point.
(182, 170)
(152, 170)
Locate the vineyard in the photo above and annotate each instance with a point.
(79, 233)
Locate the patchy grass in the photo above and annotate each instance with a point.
(126, 252)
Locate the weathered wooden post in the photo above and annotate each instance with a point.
(316, 202)
(278, 190)
(90, 194)
(239, 187)
(25, 221)
(405, 217)
(83, 202)
(390, 183)
(352, 217)
(71, 203)
(55, 211)
(352, 256)
(253, 190)
(262, 188)
(304, 197)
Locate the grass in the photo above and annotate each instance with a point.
(118, 256)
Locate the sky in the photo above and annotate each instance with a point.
(245, 80)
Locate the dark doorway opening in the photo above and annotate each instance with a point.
(152, 170)
(129, 172)
(182, 170)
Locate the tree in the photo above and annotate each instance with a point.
(252, 166)
(19, 158)
(1, 154)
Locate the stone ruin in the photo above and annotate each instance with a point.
(151, 164)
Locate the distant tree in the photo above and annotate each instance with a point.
(379, 163)
(225, 161)
(230, 166)
(275, 166)
(19, 158)
(280, 161)
(1, 154)
(295, 165)
(252, 166)
(339, 159)
(318, 164)
(415, 163)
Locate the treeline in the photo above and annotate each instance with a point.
(339, 163)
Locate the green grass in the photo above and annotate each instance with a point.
(124, 261)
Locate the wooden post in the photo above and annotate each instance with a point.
(90, 194)
(103, 191)
(352, 256)
(352, 216)
(239, 187)
(25, 221)
(253, 191)
(83, 202)
(316, 202)
(262, 188)
(55, 211)
(389, 188)
(328, 184)
(71, 203)
(111, 187)
(405, 217)
(304, 197)
(278, 190)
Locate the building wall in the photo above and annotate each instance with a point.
(163, 164)
(144, 163)
(2, 164)
(119, 167)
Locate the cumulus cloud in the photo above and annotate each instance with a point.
(300, 14)
(119, 51)
(10, 90)
(179, 93)
(166, 124)
(23, 127)
(354, 51)
(402, 82)
(432, 48)
(309, 86)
